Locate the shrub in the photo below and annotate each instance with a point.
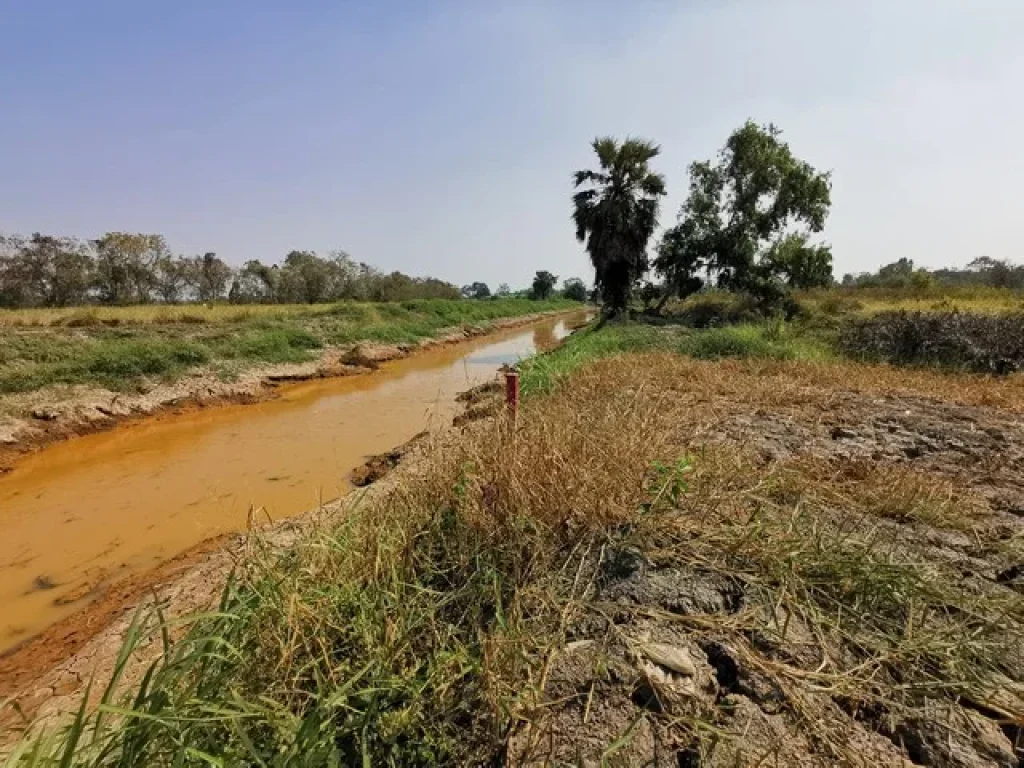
(839, 305)
(977, 342)
(710, 310)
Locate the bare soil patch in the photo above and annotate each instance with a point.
(811, 493)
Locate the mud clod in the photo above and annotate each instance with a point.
(43, 583)
(677, 589)
(952, 738)
(380, 465)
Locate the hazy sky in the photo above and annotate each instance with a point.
(438, 138)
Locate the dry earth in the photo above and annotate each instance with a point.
(686, 650)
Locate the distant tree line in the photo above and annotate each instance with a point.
(544, 286)
(132, 268)
(983, 271)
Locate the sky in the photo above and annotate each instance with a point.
(439, 137)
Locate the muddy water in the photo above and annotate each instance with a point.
(83, 513)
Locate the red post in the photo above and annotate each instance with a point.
(512, 393)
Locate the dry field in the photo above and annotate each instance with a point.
(668, 561)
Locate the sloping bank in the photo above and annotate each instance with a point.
(57, 383)
(757, 559)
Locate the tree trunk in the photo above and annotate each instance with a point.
(663, 300)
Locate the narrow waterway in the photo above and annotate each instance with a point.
(95, 509)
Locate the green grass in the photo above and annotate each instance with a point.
(145, 343)
(770, 340)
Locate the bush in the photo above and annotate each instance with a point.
(974, 341)
(711, 310)
(839, 305)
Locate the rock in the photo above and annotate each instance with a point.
(76, 593)
(378, 466)
(474, 414)
(681, 590)
(671, 657)
(951, 738)
(479, 392)
(371, 355)
(42, 583)
(45, 413)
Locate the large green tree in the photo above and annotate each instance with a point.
(125, 266)
(44, 271)
(748, 221)
(543, 285)
(575, 289)
(616, 213)
(476, 290)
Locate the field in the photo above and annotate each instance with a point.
(736, 546)
(939, 298)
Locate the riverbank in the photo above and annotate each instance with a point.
(762, 558)
(63, 381)
(82, 516)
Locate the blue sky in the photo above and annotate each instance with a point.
(438, 138)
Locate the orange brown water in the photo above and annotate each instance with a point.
(100, 507)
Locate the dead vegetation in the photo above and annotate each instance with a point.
(990, 343)
(670, 562)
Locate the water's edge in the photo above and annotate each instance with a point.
(86, 517)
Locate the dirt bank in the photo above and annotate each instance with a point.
(31, 421)
(43, 678)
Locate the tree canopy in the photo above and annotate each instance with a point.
(476, 290)
(575, 289)
(616, 212)
(748, 220)
(903, 274)
(138, 268)
(543, 285)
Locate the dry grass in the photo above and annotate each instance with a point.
(780, 382)
(427, 626)
(889, 491)
(869, 301)
(218, 314)
(152, 314)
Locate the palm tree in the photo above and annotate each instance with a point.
(616, 214)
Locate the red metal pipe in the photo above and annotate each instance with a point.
(512, 392)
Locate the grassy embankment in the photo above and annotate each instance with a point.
(433, 624)
(118, 347)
